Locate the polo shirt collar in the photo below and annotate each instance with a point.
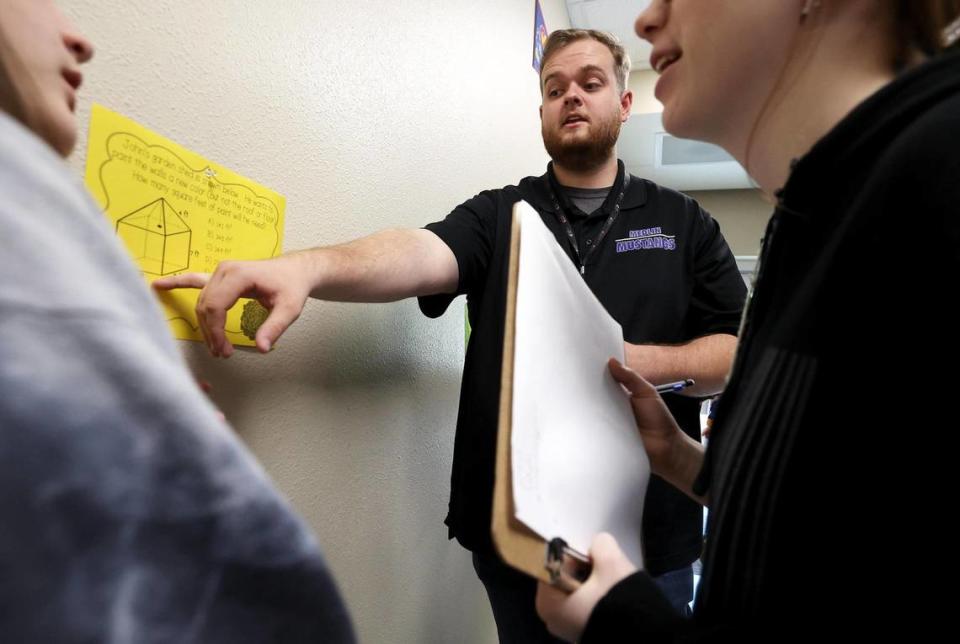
(636, 192)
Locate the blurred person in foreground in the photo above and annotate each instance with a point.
(129, 510)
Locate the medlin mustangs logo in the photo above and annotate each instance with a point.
(646, 239)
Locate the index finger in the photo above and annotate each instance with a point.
(184, 280)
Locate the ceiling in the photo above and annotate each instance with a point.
(617, 17)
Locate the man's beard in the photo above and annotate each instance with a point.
(582, 155)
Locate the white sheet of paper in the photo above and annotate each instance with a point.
(578, 462)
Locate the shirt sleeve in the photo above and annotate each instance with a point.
(470, 232)
(718, 291)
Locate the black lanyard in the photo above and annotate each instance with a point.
(607, 225)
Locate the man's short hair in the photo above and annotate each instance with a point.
(562, 37)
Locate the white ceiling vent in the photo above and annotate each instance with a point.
(648, 151)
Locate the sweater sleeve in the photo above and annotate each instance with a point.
(634, 611)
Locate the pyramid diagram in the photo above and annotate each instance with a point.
(157, 237)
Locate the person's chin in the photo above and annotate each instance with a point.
(679, 124)
(61, 133)
(576, 133)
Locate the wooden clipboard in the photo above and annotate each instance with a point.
(519, 546)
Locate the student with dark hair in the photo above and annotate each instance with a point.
(827, 490)
(129, 512)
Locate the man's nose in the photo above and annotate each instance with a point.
(573, 95)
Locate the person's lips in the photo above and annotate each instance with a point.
(660, 60)
(573, 120)
(74, 80)
(73, 77)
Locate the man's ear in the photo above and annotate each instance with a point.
(626, 102)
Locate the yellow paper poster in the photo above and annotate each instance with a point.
(178, 212)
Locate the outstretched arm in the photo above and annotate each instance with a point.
(383, 267)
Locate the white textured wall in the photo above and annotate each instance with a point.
(364, 115)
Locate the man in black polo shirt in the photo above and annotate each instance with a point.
(655, 260)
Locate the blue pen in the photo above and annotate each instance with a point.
(674, 386)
